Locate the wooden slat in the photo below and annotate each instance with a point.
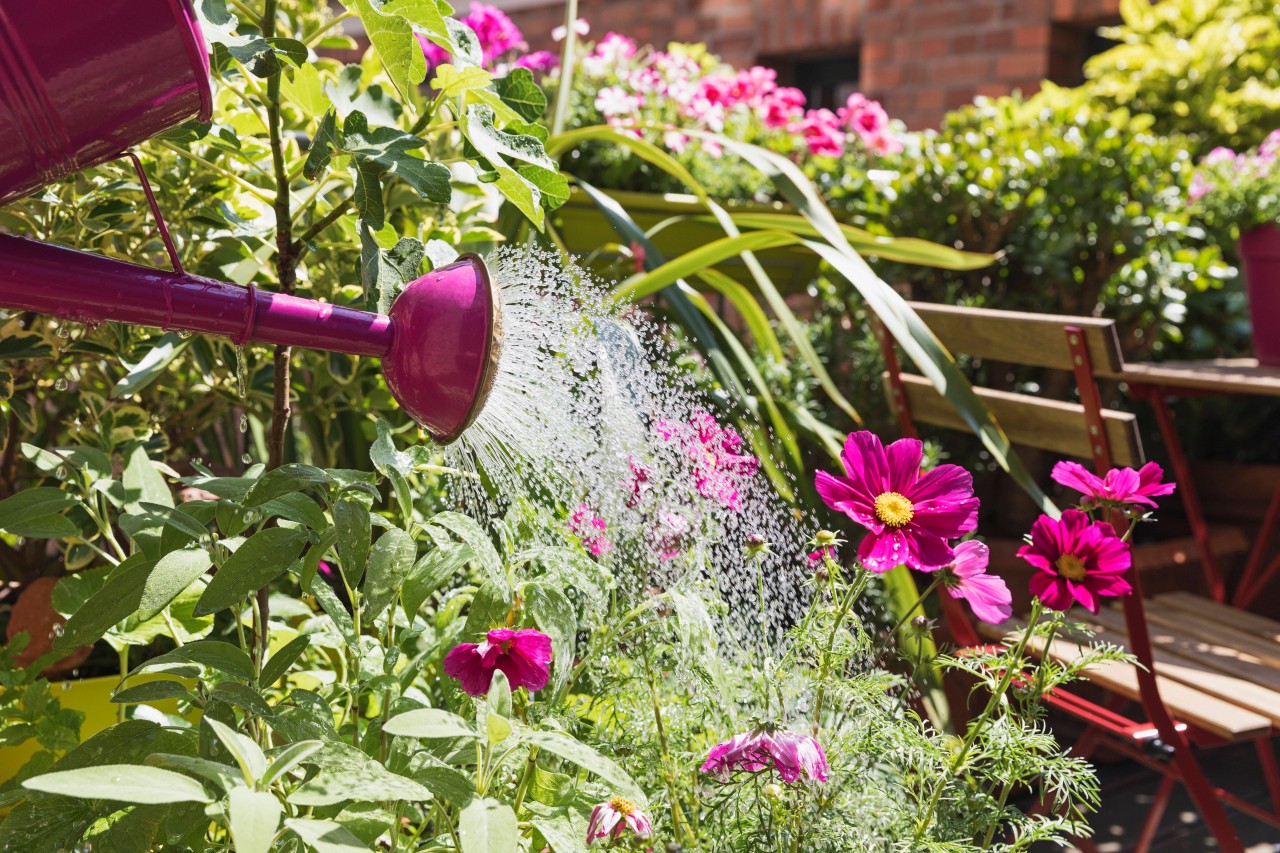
(1220, 671)
(1223, 375)
(1032, 421)
(1231, 617)
(1209, 629)
(1021, 338)
(1213, 715)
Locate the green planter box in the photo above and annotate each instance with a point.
(585, 231)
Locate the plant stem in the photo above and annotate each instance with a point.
(678, 820)
(566, 67)
(970, 736)
(855, 591)
(255, 191)
(525, 778)
(913, 608)
(123, 657)
(320, 224)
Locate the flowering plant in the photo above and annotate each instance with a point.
(1233, 192)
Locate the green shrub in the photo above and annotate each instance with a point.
(1204, 67)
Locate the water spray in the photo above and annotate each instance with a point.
(81, 84)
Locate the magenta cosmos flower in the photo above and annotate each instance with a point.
(1078, 561)
(1119, 486)
(792, 755)
(967, 578)
(910, 517)
(719, 465)
(610, 820)
(590, 528)
(524, 656)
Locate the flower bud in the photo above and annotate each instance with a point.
(823, 538)
(773, 790)
(757, 545)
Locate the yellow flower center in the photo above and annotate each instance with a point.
(1071, 567)
(894, 509)
(621, 806)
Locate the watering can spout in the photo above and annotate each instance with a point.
(440, 344)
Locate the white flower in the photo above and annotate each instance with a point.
(580, 26)
(616, 101)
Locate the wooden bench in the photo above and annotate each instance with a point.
(1208, 674)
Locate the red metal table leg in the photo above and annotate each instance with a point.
(1154, 816)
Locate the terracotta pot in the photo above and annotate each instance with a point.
(1260, 256)
(33, 613)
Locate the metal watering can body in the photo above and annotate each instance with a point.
(83, 80)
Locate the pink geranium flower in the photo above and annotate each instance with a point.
(967, 578)
(539, 62)
(610, 820)
(791, 754)
(590, 528)
(822, 133)
(1078, 561)
(524, 656)
(1119, 486)
(910, 517)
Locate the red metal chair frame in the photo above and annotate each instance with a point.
(1122, 733)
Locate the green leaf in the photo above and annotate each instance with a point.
(351, 517)
(429, 723)
(572, 750)
(393, 38)
(451, 81)
(289, 757)
(325, 836)
(385, 272)
(175, 571)
(554, 186)
(262, 558)
(125, 783)
(35, 512)
(389, 562)
(278, 664)
(332, 605)
(253, 817)
(284, 480)
(350, 775)
(556, 616)
(177, 519)
(389, 148)
(519, 91)
(305, 89)
(253, 764)
(151, 366)
(488, 826)
(323, 141)
(430, 572)
(117, 599)
(494, 146)
(214, 654)
(499, 698)
(142, 482)
(466, 529)
(150, 691)
(219, 774)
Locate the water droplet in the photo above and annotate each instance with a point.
(66, 685)
(246, 458)
(244, 422)
(251, 516)
(242, 373)
(58, 630)
(184, 333)
(60, 384)
(64, 331)
(61, 472)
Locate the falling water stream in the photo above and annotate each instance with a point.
(589, 410)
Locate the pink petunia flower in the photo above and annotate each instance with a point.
(524, 656)
(1078, 561)
(791, 754)
(719, 465)
(1119, 486)
(967, 578)
(822, 133)
(610, 820)
(910, 517)
(590, 528)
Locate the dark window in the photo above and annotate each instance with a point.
(826, 81)
(1071, 46)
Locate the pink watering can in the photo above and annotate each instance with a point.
(83, 80)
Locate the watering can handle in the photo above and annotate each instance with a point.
(155, 211)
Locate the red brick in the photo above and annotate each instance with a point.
(1023, 64)
(967, 43)
(1031, 35)
(929, 99)
(932, 47)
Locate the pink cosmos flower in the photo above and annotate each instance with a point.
(610, 820)
(590, 528)
(792, 755)
(822, 133)
(719, 466)
(1119, 486)
(910, 517)
(639, 482)
(967, 578)
(524, 656)
(1078, 561)
(539, 62)
(668, 535)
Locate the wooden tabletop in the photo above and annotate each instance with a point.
(1223, 375)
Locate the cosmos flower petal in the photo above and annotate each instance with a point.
(903, 459)
(865, 463)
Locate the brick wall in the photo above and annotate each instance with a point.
(919, 57)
